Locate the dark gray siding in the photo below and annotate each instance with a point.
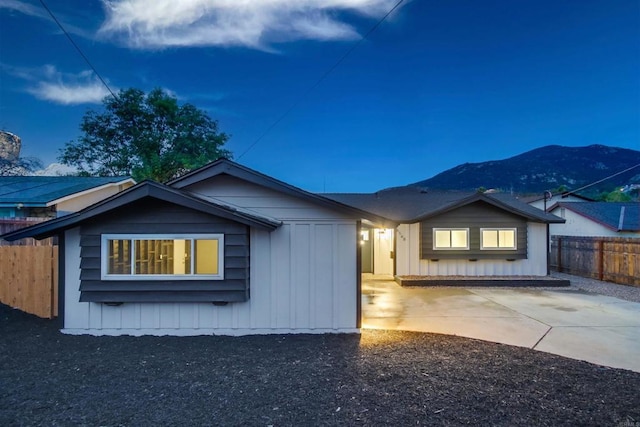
(474, 217)
(155, 217)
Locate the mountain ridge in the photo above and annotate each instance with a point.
(544, 168)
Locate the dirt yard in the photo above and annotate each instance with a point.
(378, 378)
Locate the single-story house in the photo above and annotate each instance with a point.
(54, 196)
(597, 219)
(227, 250)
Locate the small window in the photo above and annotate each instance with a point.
(498, 238)
(450, 238)
(158, 257)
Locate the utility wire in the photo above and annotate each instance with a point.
(603, 179)
(78, 49)
(321, 79)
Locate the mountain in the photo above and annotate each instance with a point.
(543, 169)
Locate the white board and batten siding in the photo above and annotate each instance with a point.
(409, 262)
(303, 279)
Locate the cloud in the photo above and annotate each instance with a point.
(25, 8)
(156, 24)
(49, 84)
(37, 11)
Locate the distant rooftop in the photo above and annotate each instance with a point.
(608, 213)
(39, 191)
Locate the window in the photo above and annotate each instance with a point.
(498, 238)
(450, 238)
(164, 256)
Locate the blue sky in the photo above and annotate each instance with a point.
(439, 83)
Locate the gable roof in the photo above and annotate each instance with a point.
(146, 189)
(413, 204)
(42, 191)
(230, 168)
(607, 214)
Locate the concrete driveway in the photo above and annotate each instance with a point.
(571, 323)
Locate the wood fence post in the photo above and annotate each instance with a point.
(559, 254)
(600, 259)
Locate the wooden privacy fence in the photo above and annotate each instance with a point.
(11, 224)
(613, 259)
(29, 279)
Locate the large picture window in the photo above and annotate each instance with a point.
(450, 238)
(164, 256)
(498, 238)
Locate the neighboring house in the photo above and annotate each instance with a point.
(452, 234)
(551, 199)
(221, 250)
(228, 250)
(54, 196)
(597, 219)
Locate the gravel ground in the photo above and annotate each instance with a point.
(626, 292)
(378, 378)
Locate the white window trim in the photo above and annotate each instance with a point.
(500, 248)
(457, 248)
(104, 257)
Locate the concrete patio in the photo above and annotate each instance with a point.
(571, 323)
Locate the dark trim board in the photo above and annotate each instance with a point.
(61, 278)
(358, 276)
(489, 282)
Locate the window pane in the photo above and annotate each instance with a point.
(507, 239)
(458, 238)
(119, 257)
(181, 256)
(489, 238)
(206, 257)
(443, 238)
(154, 256)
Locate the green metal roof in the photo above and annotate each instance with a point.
(38, 191)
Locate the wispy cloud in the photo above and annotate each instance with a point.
(25, 8)
(156, 24)
(37, 11)
(49, 84)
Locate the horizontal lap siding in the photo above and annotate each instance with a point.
(164, 218)
(474, 217)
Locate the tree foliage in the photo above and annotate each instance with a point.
(615, 196)
(146, 136)
(19, 166)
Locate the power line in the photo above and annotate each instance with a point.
(321, 79)
(603, 179)
(78, 49)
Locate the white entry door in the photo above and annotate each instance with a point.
(383, 251)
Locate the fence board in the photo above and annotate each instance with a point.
(29, 279)
(613, 259)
